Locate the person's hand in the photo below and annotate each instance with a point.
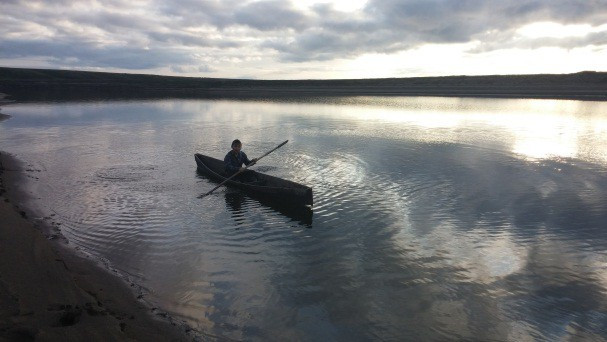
(242, 169)
(253, 161)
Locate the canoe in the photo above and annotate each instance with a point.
(266, 188)
(236, 202)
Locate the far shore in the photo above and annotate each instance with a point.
(31, 85)
(49, 292)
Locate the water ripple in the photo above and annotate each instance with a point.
(427, 224)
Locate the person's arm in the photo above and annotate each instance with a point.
(246, 160)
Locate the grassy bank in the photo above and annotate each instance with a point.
(42, 84)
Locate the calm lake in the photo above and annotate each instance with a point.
(433, 218)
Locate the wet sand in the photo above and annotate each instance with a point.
(49, 292)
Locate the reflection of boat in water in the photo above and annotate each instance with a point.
(235, 200)
(267, 188)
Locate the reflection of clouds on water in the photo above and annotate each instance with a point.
(544, 139)
(344, 168)
(434, 218)
(537, 129)
(465, 224)
(497, 220)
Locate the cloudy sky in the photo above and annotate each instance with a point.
(282, 39)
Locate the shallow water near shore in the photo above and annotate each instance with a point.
(434, 218)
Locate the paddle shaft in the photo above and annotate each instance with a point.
(245, 168)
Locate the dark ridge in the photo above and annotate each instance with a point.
(26, 85)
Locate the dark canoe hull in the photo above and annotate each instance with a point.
(273, 188)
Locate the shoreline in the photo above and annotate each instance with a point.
(68, 93)
(51, 292)
(3, 101)
(279, 95)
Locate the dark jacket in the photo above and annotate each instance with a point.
(234, 162)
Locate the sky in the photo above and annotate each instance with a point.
(306, 39)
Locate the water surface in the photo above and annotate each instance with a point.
(434, 218)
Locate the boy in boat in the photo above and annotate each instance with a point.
(235, 159)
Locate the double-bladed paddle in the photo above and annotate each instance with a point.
(245, 168)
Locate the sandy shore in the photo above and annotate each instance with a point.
(50, 293)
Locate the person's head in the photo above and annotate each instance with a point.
(236, 145)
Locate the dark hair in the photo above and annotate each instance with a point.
(236, 142)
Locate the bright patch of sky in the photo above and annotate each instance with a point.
(340, 5)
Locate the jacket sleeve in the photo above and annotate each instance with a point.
(245, 159)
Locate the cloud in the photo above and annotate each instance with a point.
(193, 40)
(271, 15)
(185, 70)
(154, 34)
(516, 42)
(386, 26)
(193, 13)
(83, 54)
(205, 68)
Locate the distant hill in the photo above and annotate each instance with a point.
(43, 84)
